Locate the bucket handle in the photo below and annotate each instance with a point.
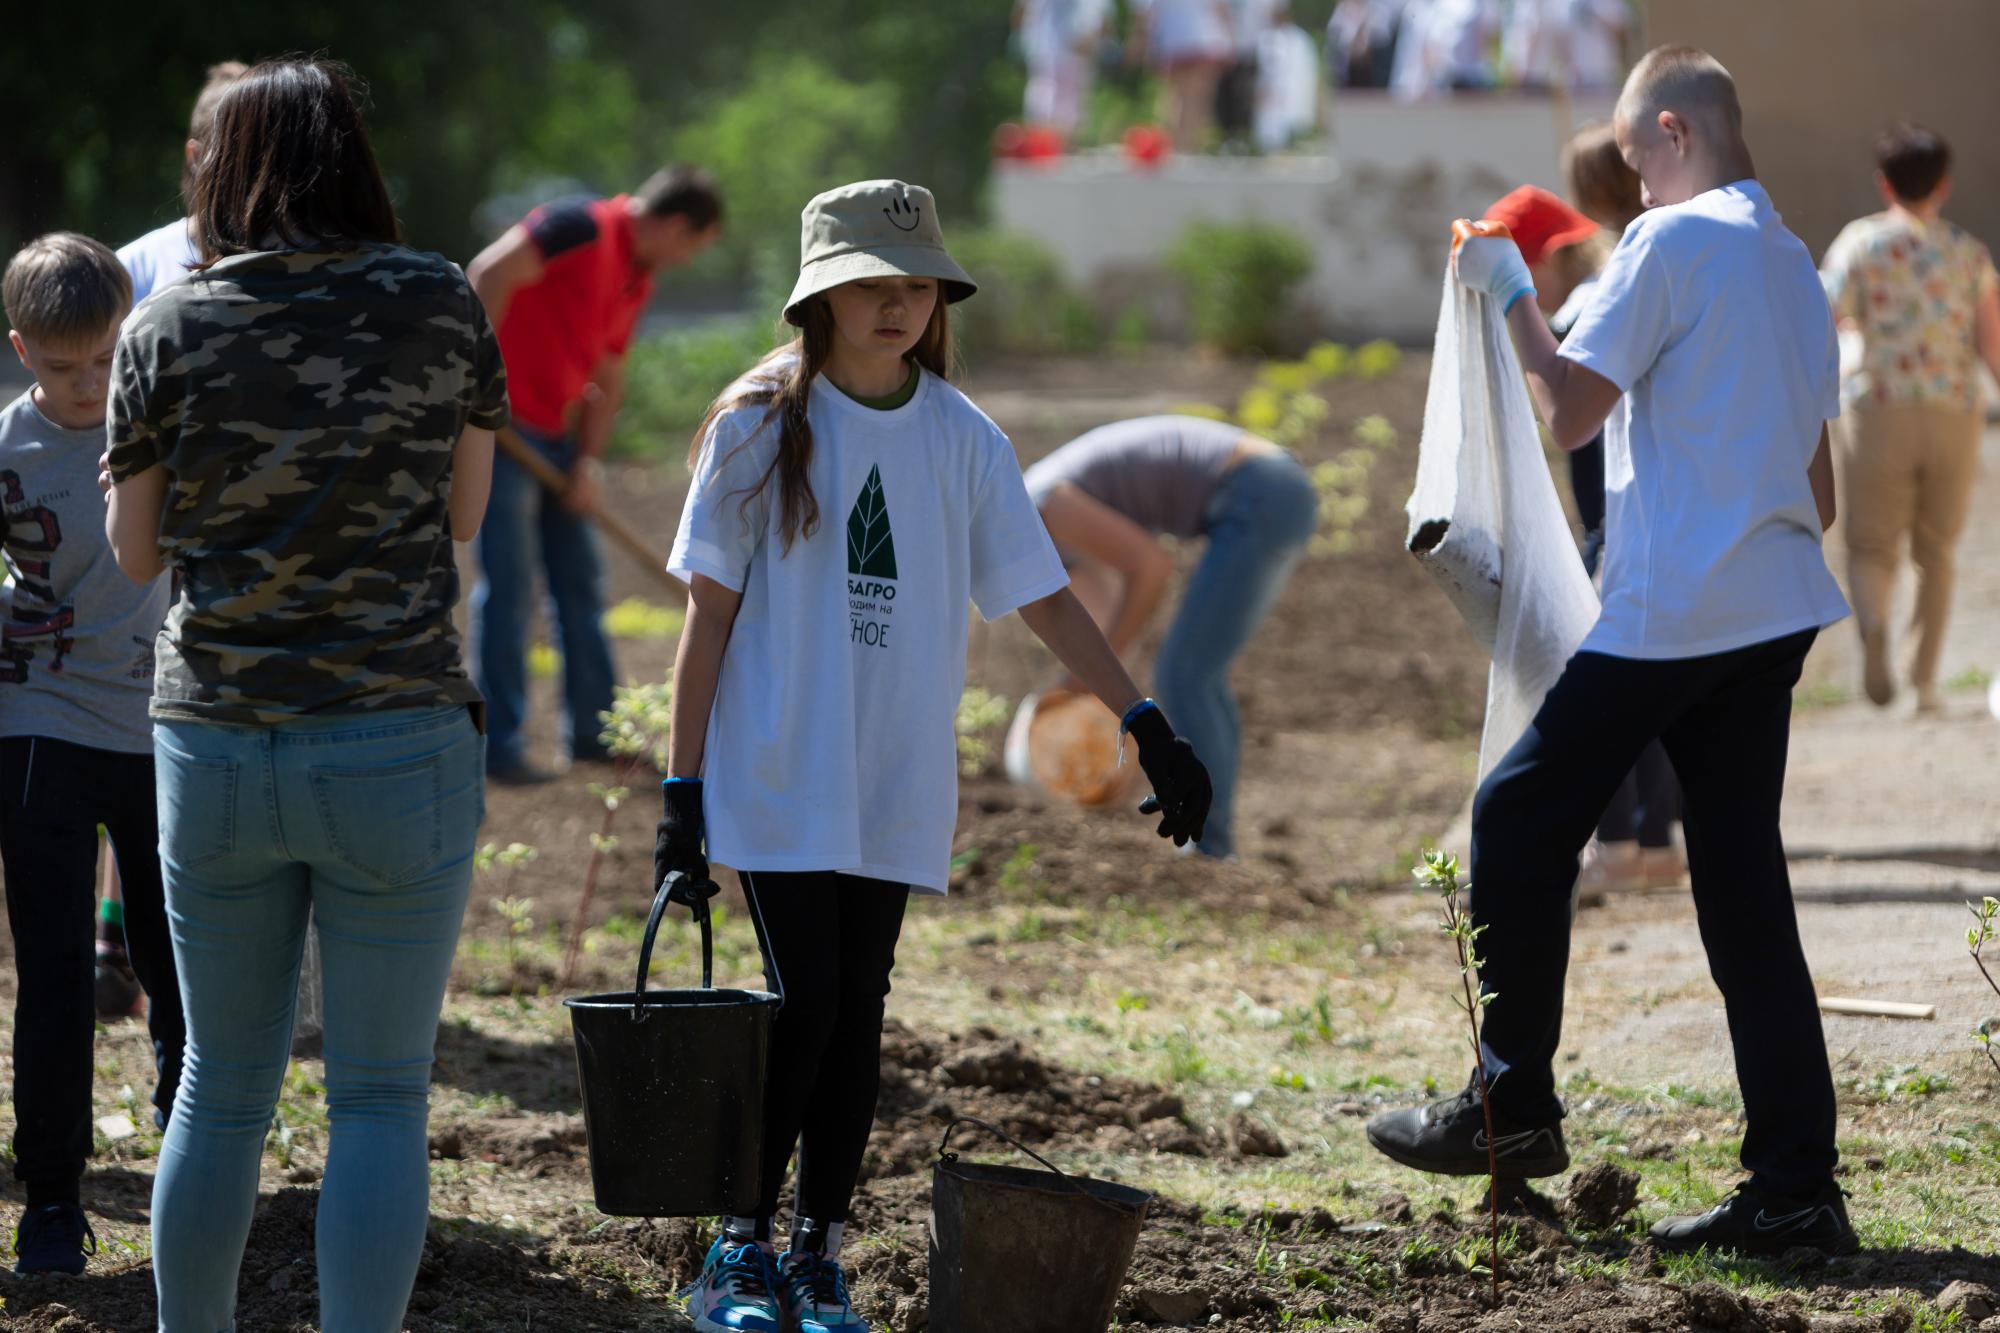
(693, 894)
(946, 1155)
(677, 887)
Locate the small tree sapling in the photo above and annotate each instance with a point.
(635, 733)
(1985, 929)
(1439, 873)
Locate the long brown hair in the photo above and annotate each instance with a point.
(782, 383)
(289, 158)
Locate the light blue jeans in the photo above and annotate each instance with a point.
(370, 822)
(1258, 524)
(526, 530)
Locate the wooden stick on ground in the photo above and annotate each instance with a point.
(1877, 1008)
(612, 526)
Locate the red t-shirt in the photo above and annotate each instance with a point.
(583, 309)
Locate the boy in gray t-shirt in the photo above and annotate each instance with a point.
(76, 747)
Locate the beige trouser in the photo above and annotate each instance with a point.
(1906, 468)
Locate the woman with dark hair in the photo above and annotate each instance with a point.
(301, 430)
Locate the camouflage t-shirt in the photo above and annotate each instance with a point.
(304, 404)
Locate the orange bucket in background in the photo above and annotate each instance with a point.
(1066, 744)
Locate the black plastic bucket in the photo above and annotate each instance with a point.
(673, 1084)
(1020, 1251)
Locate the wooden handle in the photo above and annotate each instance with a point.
(1877, 1008)
(613, 527)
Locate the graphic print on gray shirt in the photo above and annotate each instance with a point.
(76, 644)
(1160, 472)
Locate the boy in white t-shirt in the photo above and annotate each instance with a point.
(1710, 324)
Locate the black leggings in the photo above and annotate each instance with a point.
(829, 945)
(53, 795)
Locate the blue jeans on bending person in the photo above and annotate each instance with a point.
(1258, 524)
(528, 530)
(369, 822)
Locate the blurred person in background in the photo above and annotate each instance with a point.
(1059, 43)
(1189, 43)
(1574, 44)
(1361, 42)
(1288, 87)
(1921, 297)
(1108, 496)
(1237, 94)
(565, 288)
(1446, 46)
(167, 254)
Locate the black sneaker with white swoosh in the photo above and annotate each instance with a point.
(1448, 1138)
(1754, 1220)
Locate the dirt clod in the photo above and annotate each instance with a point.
(1709, 1305)
(1601, 1195)
(1971, 1302)
(1251, 1138)
(1162, 1305)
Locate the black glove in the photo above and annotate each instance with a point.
(1181, 791)
(680, 841)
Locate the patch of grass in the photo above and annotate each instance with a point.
(1817, 695)
(1972, 678)
(637, 618)
(1182, 1060)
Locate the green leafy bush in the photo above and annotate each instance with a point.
(1240, 279)
(789, 130)
(670, 379)
(1024, 305)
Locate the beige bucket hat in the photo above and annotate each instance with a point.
(873, 229)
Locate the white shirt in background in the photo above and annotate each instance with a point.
(1186, 29)
(1710, 318)
(831, 744)
(1572, 42)
(159, 259)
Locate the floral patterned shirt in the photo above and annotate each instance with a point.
(1910, 288)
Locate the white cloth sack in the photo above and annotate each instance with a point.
(1485, 519)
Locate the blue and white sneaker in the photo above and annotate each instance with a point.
(736, 1290)
(815, 1292)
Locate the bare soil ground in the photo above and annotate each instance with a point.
(1218, 1034)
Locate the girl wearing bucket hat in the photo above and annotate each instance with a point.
(848, 505)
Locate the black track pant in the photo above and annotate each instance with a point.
(829, 945)
(1725, 721)
(53, 795)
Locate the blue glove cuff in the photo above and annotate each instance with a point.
(1125, 723)
(669, 782)
(1507, 308)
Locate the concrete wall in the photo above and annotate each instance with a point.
(1377, 211)
(1819, 79)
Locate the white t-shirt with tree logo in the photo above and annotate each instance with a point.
(830, 746)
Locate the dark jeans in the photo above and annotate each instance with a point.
(527, 531)
(1725, 720)
(1646, 803)
(829, 945)
(53, 795)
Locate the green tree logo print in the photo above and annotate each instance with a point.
(871, 551)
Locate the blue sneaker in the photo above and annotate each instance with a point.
(53, 1239)
(815, 1291)
(735, 1292)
